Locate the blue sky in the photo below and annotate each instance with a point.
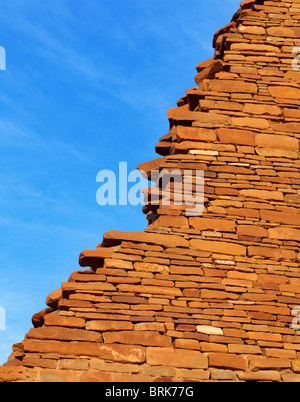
(87, 85)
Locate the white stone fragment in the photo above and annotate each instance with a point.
(224, 262)
(209, 330)
(203, 152)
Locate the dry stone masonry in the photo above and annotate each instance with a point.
(207, 297)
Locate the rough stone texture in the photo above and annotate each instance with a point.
(198, 298)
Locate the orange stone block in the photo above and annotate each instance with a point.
(227, 361)
(277, 141)
(179, 358)
(219, 247)
(272, 252)
(262, 194)
(235, 136)
(251, 230)
(144, 338)
(285, 92)
(218, 225)
(230, 86)
(280, 217)
(284, 233)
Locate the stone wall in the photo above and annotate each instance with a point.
(198, 298)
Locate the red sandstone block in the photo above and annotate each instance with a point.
(277, 153)
(296, 366)
(235, 136)
(262, 376)
(176, 358)
(235, 333)
(195, 293)
(291, 113)
(149, 267)
(251, 230)
(94, 258)
(271, 252)
(195, 134)
(227, 361)
(53, 299)
(240, 69)
(89, 286)
(260, 109)
(284, 233)
(115, 353)
(129, 378)
(269, 309)
(247, 276)
(207, 104)
(150, 289)
(280, 217)
(150, 307)
(244, 212)
(283, 32)
(258, 297)
(290, 378)
(95, 376)
(144, 338)
(74, 364)
(227, 191)
(204, 64)
(213, 347)
(272, 278)
(63, 334)
(215, 294)
(253, 47)
(172, 222)
(185, 270)
(230, 86)
(47, 375)
(191, 344)
(208, 119)
(262, 194)
(219, 225)
(62, 321)
(112, 306)
(244, 349)
(232, 169)
(108, 325)
(36, 362)
(262, 336)
(86, 276)
(17, 374)
(115, 263)
(285, 92)
(150, 326)
(121, 279)
(157, 282)
(65, 304)
(223, 375)
(218, 247)
(114, 237)
(38, 319)
(277, 141)
(264, 363)
(214, 273)
(288, 128)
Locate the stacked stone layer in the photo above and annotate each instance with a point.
(209, 297)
